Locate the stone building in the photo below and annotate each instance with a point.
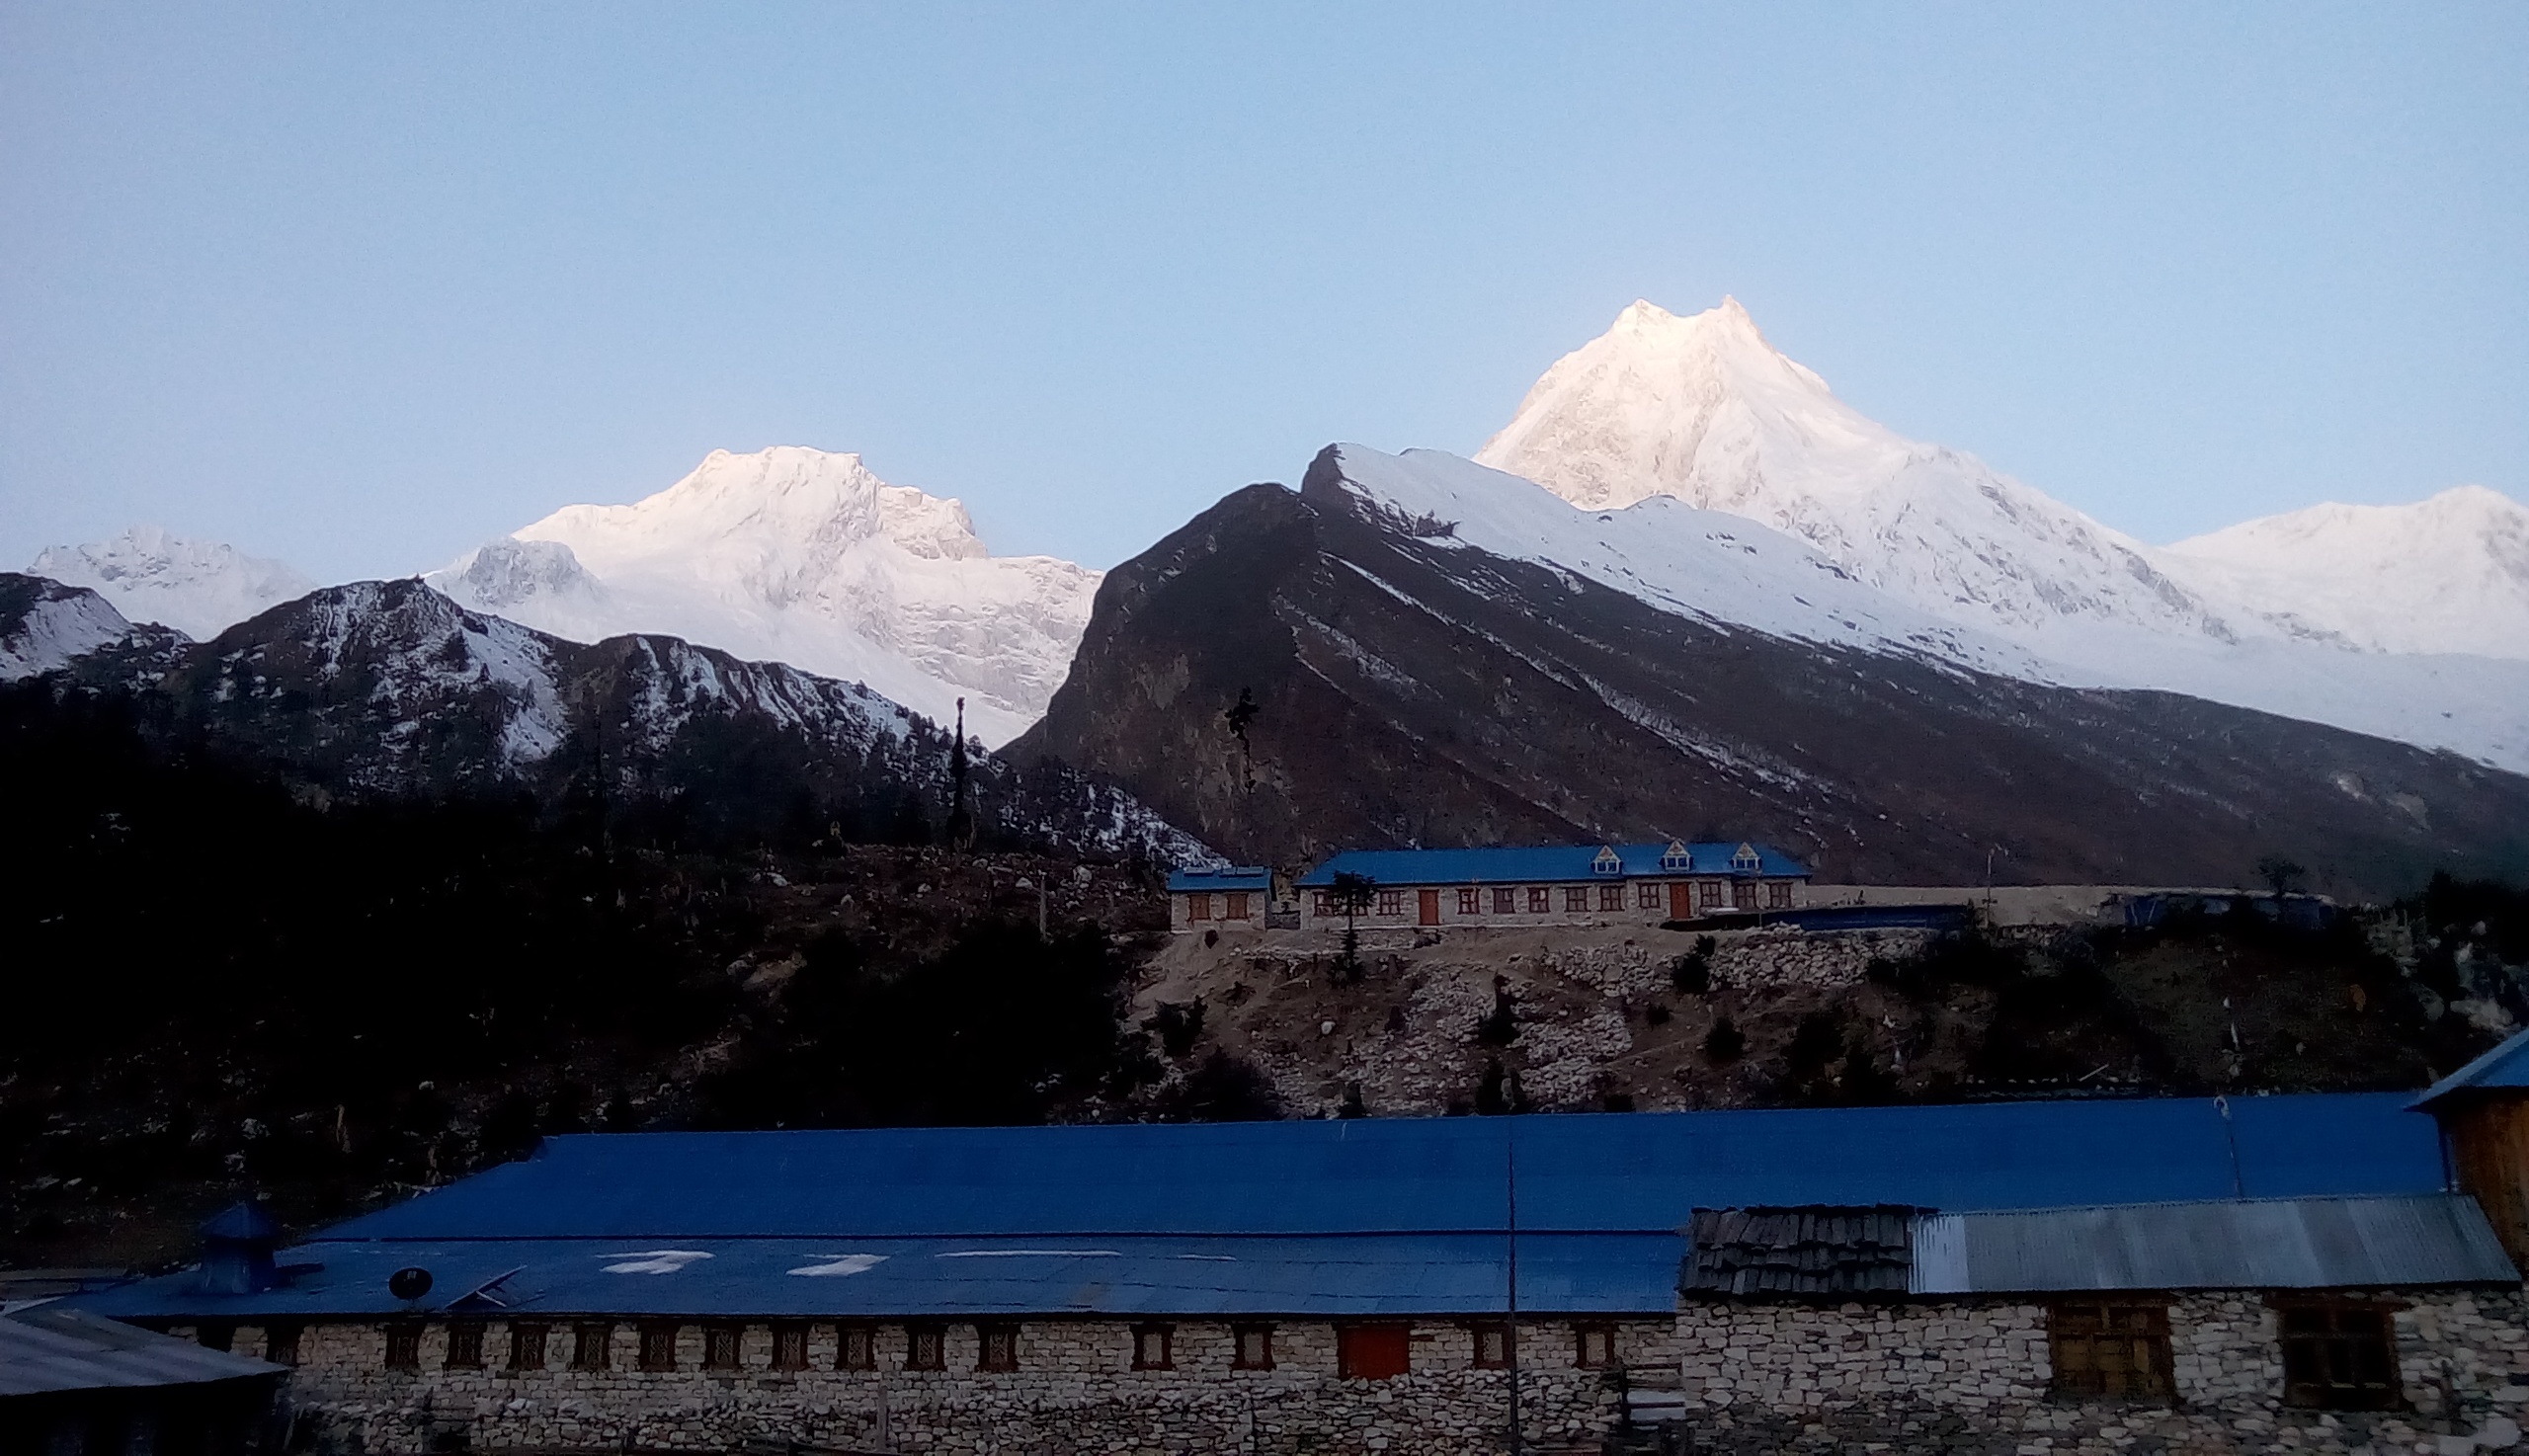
(2257, 1275)
(1548, 885)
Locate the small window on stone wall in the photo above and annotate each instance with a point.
(658, 1345)
(1233, 905)
(592, 1346)
(855, 1347)
(1650, 896)
(1391, 901)
(1576, 898)
(2338, 1356)
(1198, 906)
(789, 1346)
(1708, 894)
(1593, 1345)
(1152, 1347)
(926, 1347)
(403, 1348)
(1611, 897)
(996, 1346)
(1255, 1347)
(1470, 901)
(280, 1345)
(526, 1345)
(1540, 899)
(1505, 902)
(1778, 895)
(466, 1346)
(721, 1347)
(1492, 1345)
(2119, 1352)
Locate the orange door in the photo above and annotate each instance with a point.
(1431, 907)
(1681, 902)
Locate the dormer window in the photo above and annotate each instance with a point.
(1608, 863)
(1746, 860)
(1675, 859)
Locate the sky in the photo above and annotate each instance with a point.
(360, 286)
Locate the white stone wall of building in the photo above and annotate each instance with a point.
(1973, 1378)
(1075, 1391)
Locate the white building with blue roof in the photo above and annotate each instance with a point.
(2250, 1274)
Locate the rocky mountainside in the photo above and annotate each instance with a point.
(2298, 616)
(388, 689)
(198, 588)
(1411, 685)
(806, 557)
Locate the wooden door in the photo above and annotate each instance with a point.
(1681, 900)
(1372, 1351)
(1431, 907)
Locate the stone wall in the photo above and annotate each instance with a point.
(1075, 1391)
(1787, 957)
(1973, 1378)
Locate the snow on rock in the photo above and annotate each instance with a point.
(1725, 569)
(45, 624)
(2448, 574)
(2265, 615)
(806, 557)
(1704, 410)
(198, 588)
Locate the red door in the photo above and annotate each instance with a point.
(1431, 907)
(1682, 901)
(1372, 1352)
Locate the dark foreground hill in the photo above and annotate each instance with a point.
(1405, 689)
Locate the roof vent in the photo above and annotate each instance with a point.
(237, 1251)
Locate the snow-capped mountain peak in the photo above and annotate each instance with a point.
(198, 588)
(803, 556)
(2446, 573)
(1703, 409)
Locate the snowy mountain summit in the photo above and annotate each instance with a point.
(1703, 409)
(807, 557)
(198, 588)
(2446, 573)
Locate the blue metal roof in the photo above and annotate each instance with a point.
(829, 1278)
(2505, 1067)
(1420, 1198)
(1232, 877)
(1543, 863)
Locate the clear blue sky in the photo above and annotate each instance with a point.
(359, 286)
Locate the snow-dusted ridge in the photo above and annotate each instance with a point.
(807, 557)
(2356, 616)
(1728, 570)
(45, 625)
(198, 588)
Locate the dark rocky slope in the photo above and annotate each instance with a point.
(1409, 691)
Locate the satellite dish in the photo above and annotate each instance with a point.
(409, 1283)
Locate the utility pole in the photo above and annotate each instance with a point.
(1511, 1349)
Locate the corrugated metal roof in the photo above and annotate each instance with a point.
(1420, 1180)
(2257, 1244)
(53, 1348)
(1800, 1253)
(2506, 1066)
(876, 1278)
(1234, 877)
(1542, 863)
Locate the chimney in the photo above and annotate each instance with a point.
(2483, 1112)
(237, 1251)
